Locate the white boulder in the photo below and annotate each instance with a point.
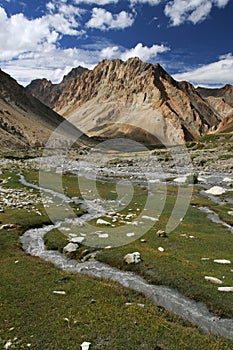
(85, 345)
(132, 258)
(78, 240)
(216, 190)
(70, 247)
(102, 222)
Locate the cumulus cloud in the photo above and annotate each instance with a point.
(195, 11)
(104, 20)
(19, 34)
(219, 72)
(143, 52)
(110, 52)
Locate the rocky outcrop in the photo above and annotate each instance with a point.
(25, 121)
(221, 100)
(49, 93)
(137, 100)
(225, 93)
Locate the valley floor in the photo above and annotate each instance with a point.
(44, 307)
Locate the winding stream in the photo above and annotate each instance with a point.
(195, 312)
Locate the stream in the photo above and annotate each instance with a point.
(195, 312)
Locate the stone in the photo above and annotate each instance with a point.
(102, 222)
(225, 289)
(70, 247)
(213, 280)
(103, 235)
(132, 258)
(230, 212)
(161, 233)
(216, 191)
(8, 344)
(63, 279)
(8, 227)
(161, 249)
(227, 179)
(149, 218)
(60, 292)
(130, 234)
(180, 179)
(85, 345)
(222, 261)
(90, 256)
(78, 240)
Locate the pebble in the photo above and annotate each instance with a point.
(61, 292)
(161, 249)
(222, 261)
(213, 280)
(149, 218)
(225, 289)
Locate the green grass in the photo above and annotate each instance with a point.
(180, 266)
(92, 310)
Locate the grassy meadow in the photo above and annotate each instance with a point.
(100, 311)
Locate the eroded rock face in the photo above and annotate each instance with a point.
(134, 99)
(49, 93)
(225, 93)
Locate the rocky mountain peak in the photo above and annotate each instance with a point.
(135, 99)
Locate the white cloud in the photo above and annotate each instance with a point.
(97, 2)
(19, 34)
(143, 52)
(150, 2)
(105, 20)
(110, 52)
(219, 72)
(195, 11)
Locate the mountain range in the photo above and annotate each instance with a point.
(130, 99)
(138, 100)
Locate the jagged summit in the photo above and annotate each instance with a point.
(132, 98)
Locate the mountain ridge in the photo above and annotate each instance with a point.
(25, 121)
(102, 102)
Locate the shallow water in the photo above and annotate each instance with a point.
(195, 312)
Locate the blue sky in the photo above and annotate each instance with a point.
(191, 39)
